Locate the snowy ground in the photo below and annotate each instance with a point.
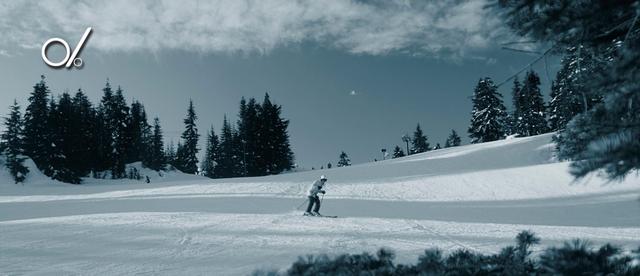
(477, 197)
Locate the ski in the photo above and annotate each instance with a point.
(320, 216)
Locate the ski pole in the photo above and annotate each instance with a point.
(321, 198)
(305, 201)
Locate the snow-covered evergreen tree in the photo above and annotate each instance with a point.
(530, 117)
(420, 141)
(238, 153)
(84, 125)
(177, 163)
(37, 136)
(559, 106)
(62, 147)
(453, 140)
(211, 155)
(156, 156)
(139, 132)
(275, 154)
(344, 160)
(569, 95)
(511, 119)
(187, 159)
(170, 154)
(103, 132)
(397, 152)
(12, 144)
(249, 134)
(608, 135)
(488, 115)
(228, 163)
(121, 138)
(114, 140)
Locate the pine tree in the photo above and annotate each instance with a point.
(139, 133)
(119, 120)
(511, 120)
(37, 136)
(155, 159)
(397, 152)
(453, 140)
(569, 94)
(510, 123)
(229, 161)
(557, 109)
(211, 155)
(179, 156)
(249, 133)
(274, 150)
(531, 118)
(58, 126)
(170, 154)
(103, 132)
(62, 135)
(187, 154)
(606, 136)
(12, 144)
(344, 160)
(109, 128)
(488, 115)
(60, 114)
(419, 141)
(238, 148)
(83, 122)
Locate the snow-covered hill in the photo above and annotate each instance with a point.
(520, 168)
(476, 196)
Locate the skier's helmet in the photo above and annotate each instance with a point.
(323, 178)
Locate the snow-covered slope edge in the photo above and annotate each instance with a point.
(519, 168)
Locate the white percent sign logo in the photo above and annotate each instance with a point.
(70, 58)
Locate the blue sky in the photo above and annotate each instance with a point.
(351, 75)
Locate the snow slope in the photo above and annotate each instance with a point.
(476, 197)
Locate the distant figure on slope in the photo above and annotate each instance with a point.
(313, 197)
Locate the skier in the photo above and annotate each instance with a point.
(313, 196)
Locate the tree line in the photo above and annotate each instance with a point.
(69, 138)
(490, 120)
(257, 145)
(594, 96)
(529, 115)
(601, 44)
(419, 143)
(594, 100)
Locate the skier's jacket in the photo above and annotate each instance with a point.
(315, 188)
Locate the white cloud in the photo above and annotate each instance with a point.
(448, 28)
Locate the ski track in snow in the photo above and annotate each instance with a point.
(201, 243)
(476, 197)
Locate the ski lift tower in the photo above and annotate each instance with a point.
(406, 139)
